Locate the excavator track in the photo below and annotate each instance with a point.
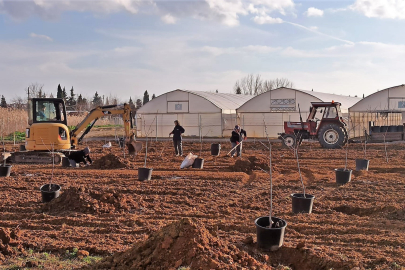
(35, 157)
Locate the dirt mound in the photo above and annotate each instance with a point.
(109, 161)
(9, 242)
(182, 243)
(79, 199)
(248, 165)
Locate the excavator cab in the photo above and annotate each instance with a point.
(47, 125)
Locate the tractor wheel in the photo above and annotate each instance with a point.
(288, 141)
(332, 136)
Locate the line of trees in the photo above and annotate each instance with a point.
(73, 101)
(255, 85)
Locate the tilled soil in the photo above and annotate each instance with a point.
(204, 218)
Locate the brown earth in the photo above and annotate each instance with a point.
(160, 223)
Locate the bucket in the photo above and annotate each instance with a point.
(375, 129)
(198, 163)
(5, 170)
(22, 147)
(301, 204)
(384, 129)
(144, 174)
(343, 176)
(270, 238)
(362, 164)
(65, 162)
(50, 194)
(215, 149)
(392, 129)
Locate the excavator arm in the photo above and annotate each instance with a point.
(89, 121)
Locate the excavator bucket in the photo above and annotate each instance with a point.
(134, 147)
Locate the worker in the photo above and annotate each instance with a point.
(41, 113)
(238, 135)
(80, 156)
(177, 132)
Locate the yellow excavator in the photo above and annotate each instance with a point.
(48, 131)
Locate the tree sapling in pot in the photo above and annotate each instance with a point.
(270, 229)
(5, 169)
(362, 164)
(50, 191)
(143, 172)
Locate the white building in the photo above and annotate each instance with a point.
(274, 107)
(200, 113)
(384, 108)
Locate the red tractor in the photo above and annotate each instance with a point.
(324, 123)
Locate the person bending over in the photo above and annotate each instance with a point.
(80, 156)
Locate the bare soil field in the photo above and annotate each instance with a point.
(105, 218)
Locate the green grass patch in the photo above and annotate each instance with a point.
(19, 136)
(48, 260)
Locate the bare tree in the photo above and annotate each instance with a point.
(18, 102)
(254, 85)
(35, 90)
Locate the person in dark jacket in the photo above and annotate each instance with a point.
(238, 135)
(177, 132)
(80, 156)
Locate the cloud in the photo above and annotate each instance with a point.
(169, 19)
(385, 9)
(282, 6)
(266, 20)
(33, 35)
(52, 9)
(314, 12)
(229, 10)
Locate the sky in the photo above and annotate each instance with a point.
(124, 47)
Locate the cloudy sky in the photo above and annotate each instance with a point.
(124, 47)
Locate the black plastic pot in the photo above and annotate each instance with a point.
(121, 142)
(198, 163)
(66, 162)
(343, 176)
(22, 147)
(48, 194)
(400, 128)
(392, 128)
(215, 149)
(375, 129)
(384, 129)
(270, 238)
(362, 164)
(301, 204)
(144, 174)
(5, 170)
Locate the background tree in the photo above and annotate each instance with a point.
(153, 96)
(35, 90)
(237, 89)
(72, 99)
(59, 93)
(138, 103)
(254, 85)
(97, 101)
(145, 97)
(81, 103)
(64, 94)
(19, 102)
(3, 102)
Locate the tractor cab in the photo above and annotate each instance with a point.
(323, 112)
(325, 123)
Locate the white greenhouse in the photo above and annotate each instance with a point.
(200, 113)
(274, 107)
(384, 108)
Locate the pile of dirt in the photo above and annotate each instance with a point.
(9, 242)
(79, 199)
(109, 161)
(184, 243)
(249, 164)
